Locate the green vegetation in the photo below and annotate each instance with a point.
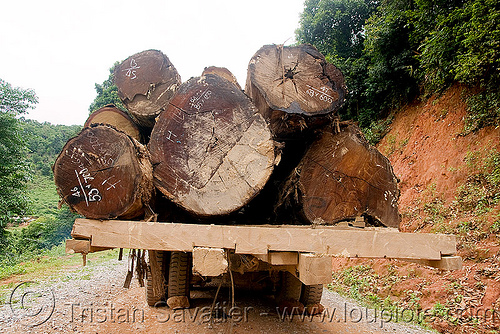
(361, 283)
(481, 191)
(42, 196)
(390, 51)
(28, 151)
(47, 226)
(14, 170)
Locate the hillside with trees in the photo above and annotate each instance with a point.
(28, 150)
(393, 51)
(14, 168)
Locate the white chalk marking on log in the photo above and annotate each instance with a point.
(109, 178)
(113, 185)
(85, 173)
(131, 70)
(75, 191)
(83, 190)
(177, 114)
(321, 93)
(92, 197)
(170, 133)
(194, 100)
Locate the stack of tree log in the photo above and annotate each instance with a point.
(205, 150)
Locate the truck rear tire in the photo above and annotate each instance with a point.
(179, 274)
(160, 257)
(311, 294)
(292, 289)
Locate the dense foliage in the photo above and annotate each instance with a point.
(41, 234)
(390, 51)
(28, 150)
(107, 93)
(51, 225)
(14, 172)
(460, 41)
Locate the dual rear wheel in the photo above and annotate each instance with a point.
(170, 270)
(292, 289)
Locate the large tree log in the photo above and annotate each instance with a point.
(211, 150)
(342, 177)
(115, 117)
(294, 87)
(146, 82)
(103, 173)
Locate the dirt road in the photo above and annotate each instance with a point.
(92, 300)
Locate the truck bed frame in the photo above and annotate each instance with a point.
(304, 251)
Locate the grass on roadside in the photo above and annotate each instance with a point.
(52, 263)
(362, 284)
(48, 263)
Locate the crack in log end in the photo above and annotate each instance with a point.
(217, 151)
(343, 177)
(241, 129)
(146, 81)
(289, 73)
(240, 176)
(212, 142)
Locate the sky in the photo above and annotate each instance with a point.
(61, 48)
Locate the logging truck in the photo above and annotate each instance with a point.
(262, 186)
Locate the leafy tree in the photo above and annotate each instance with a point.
(337, 29)
(13, 168)
(390, 81)
(459, 42)
(369, 41)
(107, 93)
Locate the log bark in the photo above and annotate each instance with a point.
(117, 118)
(146, 82)
(342, 177)
(103, 173)
(294, 88)
(211, 150)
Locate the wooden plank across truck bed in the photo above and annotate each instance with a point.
(437, 250)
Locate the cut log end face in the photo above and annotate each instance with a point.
(211, 151)
(342, 177)
(146, 81)
(297, 80)
(102, 174)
